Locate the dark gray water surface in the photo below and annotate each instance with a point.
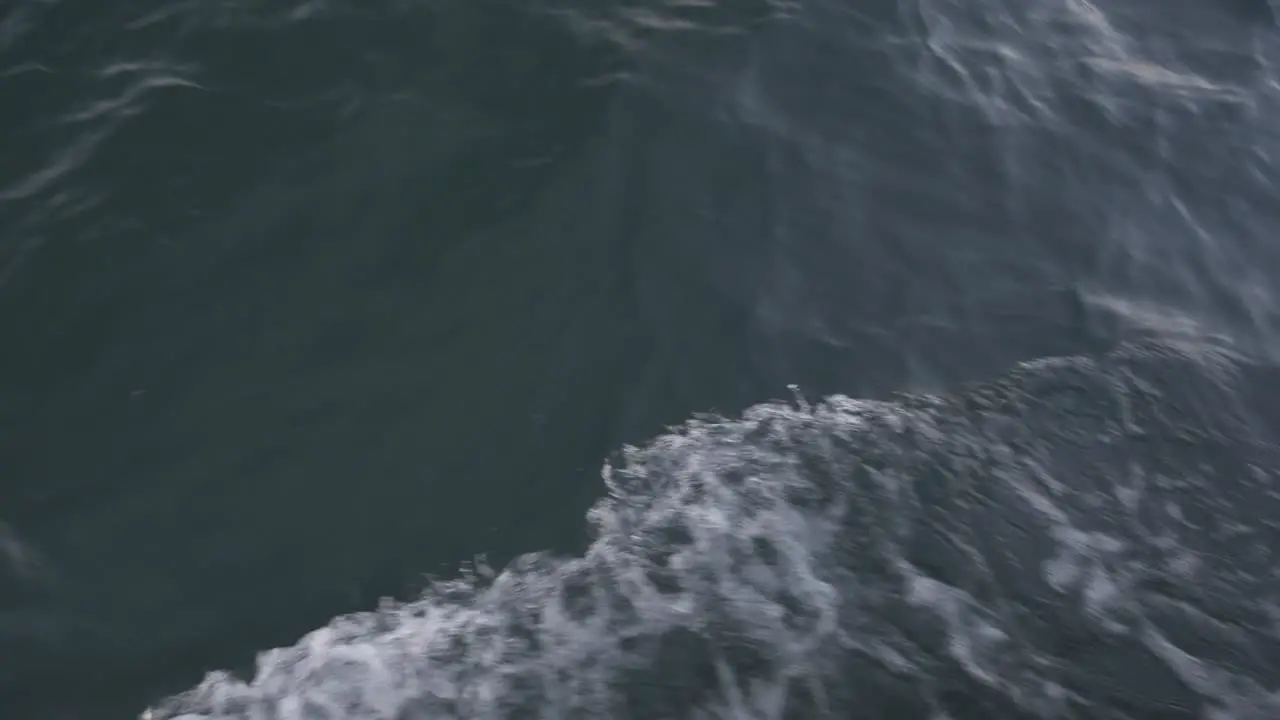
(300, 304)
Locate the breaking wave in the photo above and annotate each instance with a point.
(1082, 537)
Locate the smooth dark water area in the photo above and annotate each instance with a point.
(296, 356)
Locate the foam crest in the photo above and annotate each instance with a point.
(1078, 537)
(706, 554)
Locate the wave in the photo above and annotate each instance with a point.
(1082, 537)
(1085, 536)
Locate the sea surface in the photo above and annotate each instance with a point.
(652, 359)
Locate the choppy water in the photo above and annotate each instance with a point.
(301, 302)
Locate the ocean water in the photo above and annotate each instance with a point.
(659, 359)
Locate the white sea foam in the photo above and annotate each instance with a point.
(802, 559)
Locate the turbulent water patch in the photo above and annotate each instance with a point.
(1082, 537)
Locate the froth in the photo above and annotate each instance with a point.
(706, 570)
(1057, 543)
